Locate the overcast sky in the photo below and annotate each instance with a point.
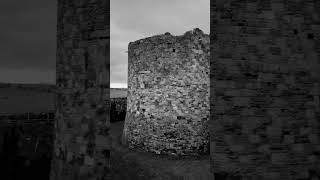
(136, 19)
(27, 41)
(28, 33)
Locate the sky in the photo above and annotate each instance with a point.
(28, 34)
(132, 20)
(27, 41)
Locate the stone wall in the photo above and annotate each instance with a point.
(118, 107)
(34, 132)
(34, 139)
(265, 89)
(25, 148)
(82, 143)
(168, 94)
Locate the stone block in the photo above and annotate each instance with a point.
(255, 139)
(89, 161)
(298, 148)
(314, 138)
(264, 149)
(241, 101)
(279, 158)
(237, 148)
(288, 139)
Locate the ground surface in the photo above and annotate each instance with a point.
(22, 98)
(129, 164)
(118, 92)
(125, 163)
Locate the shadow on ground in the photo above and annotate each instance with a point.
(129, 164)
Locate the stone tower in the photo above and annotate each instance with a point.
(168, 94)
(265, 75)
(82, 144)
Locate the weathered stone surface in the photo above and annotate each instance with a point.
(82, 143)
(168, 94)
(265, 77)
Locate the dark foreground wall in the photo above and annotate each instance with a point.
(265, 80)
(82, 143)
(25, 149)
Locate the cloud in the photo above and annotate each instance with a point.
(133, 20)
(150, 17)
(119, 40)
(28, 31)
(27, 37)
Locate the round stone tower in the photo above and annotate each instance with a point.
(168, 94)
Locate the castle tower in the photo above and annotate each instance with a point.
(168, 94)
(82, 144)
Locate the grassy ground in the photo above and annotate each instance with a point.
(118, 92)
(26, 98)
(22, 98)
(129, 164)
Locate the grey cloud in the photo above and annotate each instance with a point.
(28, 31)
(27, 38)
(154, 17)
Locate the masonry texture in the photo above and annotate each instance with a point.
(26, 142)
(265, 84)
(82, 143)
(168, 94)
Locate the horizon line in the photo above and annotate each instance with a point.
(112, 85)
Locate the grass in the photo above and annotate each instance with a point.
(118, 92)
(26, 98)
